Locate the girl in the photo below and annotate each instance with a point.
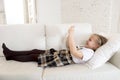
(53, 58)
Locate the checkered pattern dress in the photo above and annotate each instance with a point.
(53, 58)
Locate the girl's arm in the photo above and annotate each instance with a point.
(71, 44)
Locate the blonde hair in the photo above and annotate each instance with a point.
(101, 40)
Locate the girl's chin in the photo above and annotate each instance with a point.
(87, 46)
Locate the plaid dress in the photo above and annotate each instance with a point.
(53, 58)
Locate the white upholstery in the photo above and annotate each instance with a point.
(13, 70)
(31, 36)
(22, 37)
(82, 72)
(116, 59)
(56, 34)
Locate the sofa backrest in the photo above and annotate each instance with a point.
(56, 34)
(38, 36)
(22, 37)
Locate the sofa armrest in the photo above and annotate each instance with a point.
(115, 60)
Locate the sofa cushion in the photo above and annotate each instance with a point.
(82, 72)
(22, 37)
(14, 70)
(56, 34)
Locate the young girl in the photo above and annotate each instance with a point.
(53, 58)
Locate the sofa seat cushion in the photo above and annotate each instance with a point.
(13, 70)
(82, 72)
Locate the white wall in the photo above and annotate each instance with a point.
(96, 12)
(49, 11)
(2, 13)
(115, 21)
(104, 15)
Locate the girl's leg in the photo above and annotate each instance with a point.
(21, 55)
(25, 58)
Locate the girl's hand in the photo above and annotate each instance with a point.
(71, 30)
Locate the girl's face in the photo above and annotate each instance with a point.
(92, 43)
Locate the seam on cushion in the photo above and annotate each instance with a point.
(45, 36)
(43, 71)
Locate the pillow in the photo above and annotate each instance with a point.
(105, 52)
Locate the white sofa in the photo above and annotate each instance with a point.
(31, 36)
